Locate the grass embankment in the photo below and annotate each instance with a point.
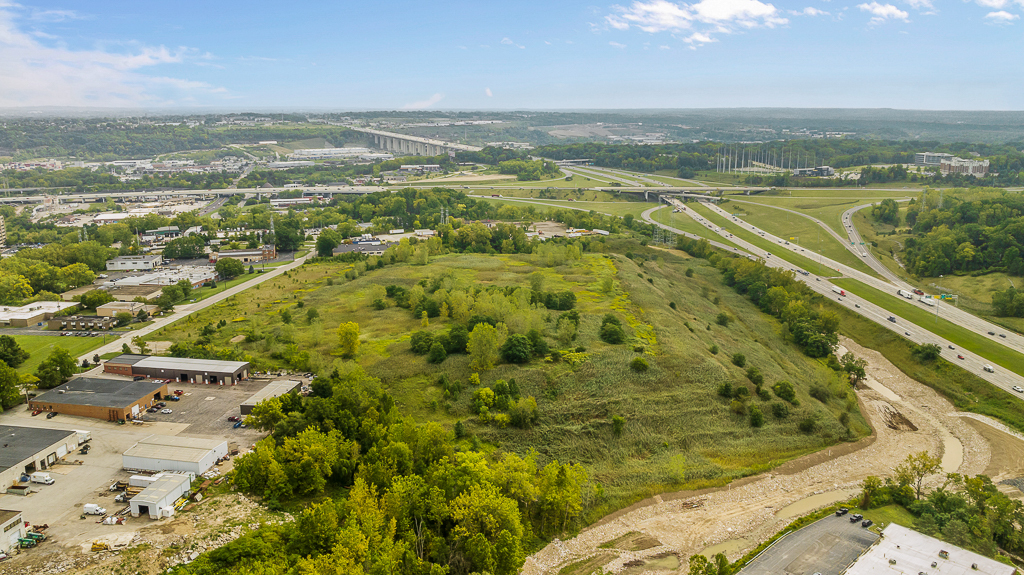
(776, 250)
(965, 390)
(39, 346)
(962, 337)
(800, 230)
(678, 433)
(683, 222)
(620, 208)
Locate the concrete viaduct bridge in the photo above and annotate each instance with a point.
(406, 144)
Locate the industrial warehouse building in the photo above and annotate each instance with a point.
(174, 453)
(158, 499)
(134, 263)
(133, 307)
(33, 313)
(273, 389)
(100, 398)
(902, 550)
(183, 369)
(263, 254)
(28, 449)
(13, 528)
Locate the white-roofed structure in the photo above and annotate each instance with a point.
(272, 389)
(174, 453)
(181, 369)
(158, 499)
(902, 551)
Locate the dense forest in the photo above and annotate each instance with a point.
(965, 231)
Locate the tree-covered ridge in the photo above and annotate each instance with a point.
(418, 501)
(963, 231)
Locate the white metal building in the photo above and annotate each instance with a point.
(272, 389)
(134, 263)
(13, 527)
(24, 450)
(904, 551)
(158, 499)
(174, 453)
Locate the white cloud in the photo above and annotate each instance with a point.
(424, 103)
(55, 15)
(488, 92)
(40, 73)
(508, 42)
(718, 16)
(1001, 17)
(809, 11)
(919, 4)
(699, 39)
(616, 45)
(883, 12)
(663, 47)
(999, 4)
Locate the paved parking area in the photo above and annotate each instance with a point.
(204, 409)
(827, 547)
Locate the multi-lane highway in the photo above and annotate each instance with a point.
(1001, 377)
(962, 318)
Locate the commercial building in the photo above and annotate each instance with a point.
(272, 389)
(32, 314)
(164, 233)
(134, 263)
(288, 165)
(12, 525)
(262, 254)
(976, 168)
(101, 398)
(133, 307)
(286, 202)
(419, 168)
(81, 323)
(174, 453)
(367, 249)
(930, 158)
(28, 449)
(196, 275)
(158, 499)
(902, 550)
(130, 292)
(819, 172)
(183, 369)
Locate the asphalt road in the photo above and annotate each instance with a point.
(962, 318)
(183, 311)
(1002, 378)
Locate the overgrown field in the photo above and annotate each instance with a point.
(675, 430)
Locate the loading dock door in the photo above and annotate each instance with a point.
(183, 378)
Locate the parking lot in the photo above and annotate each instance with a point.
(205, 409)
(826, 547)
(202, 412)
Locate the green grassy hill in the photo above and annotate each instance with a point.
(678, 431)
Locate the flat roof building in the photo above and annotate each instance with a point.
(133, 307)
(134, 263)
(323, 153)
(196, 275)
(158, 499)
(904, 551)
(33, 313)
(261, 254)
(272, 389)
(174, 453)
(181, 369)
(13, 528)
(930, 158)
(81, 322)
(976, 168)
(25, 450)
(101, 398)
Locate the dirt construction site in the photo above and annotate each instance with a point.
(659, 534)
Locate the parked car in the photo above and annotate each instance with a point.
(160, 404)
(237, 424)
(842, 511)
(234, 418)
(138, 378)
(166, 411)
(51, 415)
(152, 410)
(36, 412)
(856, 517)
(866, 523)
(179, 392)
(172, 398)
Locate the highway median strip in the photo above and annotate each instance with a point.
(961, 337)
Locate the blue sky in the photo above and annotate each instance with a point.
(918, 54)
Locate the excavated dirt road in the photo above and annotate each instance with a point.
(907, 416)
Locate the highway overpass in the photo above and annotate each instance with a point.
(414, 145)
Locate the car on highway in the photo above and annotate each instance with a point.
(892, 319)
(951, 347)
(856, 305)
(906, 333)
(989, 369)
(1018, 389)
(958, 356)
(991, 333)
(1002, 335)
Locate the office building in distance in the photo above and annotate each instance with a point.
(930, 158)
(976, 168)
(134, 263)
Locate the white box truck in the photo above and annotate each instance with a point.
(40, 477)
(93, 509)
(904, 293)
(83, 436)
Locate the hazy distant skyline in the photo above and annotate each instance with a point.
(913, 54)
